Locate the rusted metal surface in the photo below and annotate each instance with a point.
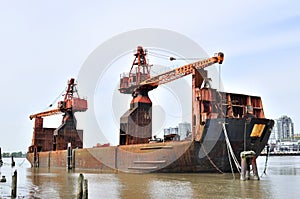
(77, 104)
(48, 139)
(205, 152)
(181, 156)
(42, 138)
(67, 133)
(139, 72)
(182, 71)
(198, 78)
(136, 123)
(69, 104)
(45, 113)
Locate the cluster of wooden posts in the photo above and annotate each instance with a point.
(13, 184)
(1, 162)
(14, 177)
(82, 187)
(248, 158)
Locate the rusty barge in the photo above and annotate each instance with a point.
(223, 125)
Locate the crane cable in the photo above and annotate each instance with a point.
(56, 99)
(266, 162)
(238, 166)
(163, 56)
(210, 160)
(229, 158)
(158, 55)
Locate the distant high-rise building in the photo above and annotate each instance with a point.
(184, 129)
(171, 133)
(283, 129)
(274, 137)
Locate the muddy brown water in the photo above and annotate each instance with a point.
(282, 181)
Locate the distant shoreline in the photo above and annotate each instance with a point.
(10, 158)
(281, 154)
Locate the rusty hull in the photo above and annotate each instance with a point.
(209, 155)
(206, 151)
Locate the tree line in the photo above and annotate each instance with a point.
(14, 154)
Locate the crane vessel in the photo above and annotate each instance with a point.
(223, 126)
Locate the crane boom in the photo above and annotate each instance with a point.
(182, 71)
(46, 113)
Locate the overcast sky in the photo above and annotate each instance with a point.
(44, 43)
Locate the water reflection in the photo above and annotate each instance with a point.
(285, 165)
(170, 189)
(104, 185)
(60, 183)
(280, 182)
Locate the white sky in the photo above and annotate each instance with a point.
(42, 44)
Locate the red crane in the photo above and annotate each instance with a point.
(136, 123)
(47, 139)
(70, 103)
(139, 72)
(138, 80)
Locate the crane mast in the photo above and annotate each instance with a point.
(136, 123)
(139, 71)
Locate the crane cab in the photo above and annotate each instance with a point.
(139, 72)
(75, 104)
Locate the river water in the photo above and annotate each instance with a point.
(282, 181)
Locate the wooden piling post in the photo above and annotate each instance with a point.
(82, 188)
(79, 193)
(12, 161)
(85, 189)
(1, 162)
(248, 162)
(3, 179)
(69, 156)
(243, 167)
(14, 185)
(35, 157)
(73, 158)
(49, 159)
(247, 158)
(254, 168)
